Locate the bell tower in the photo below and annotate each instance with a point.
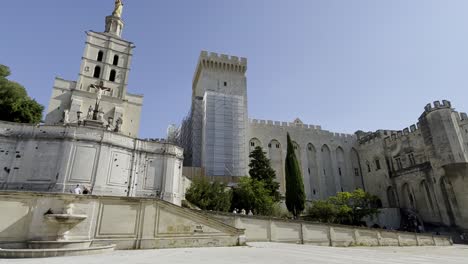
(102, 82)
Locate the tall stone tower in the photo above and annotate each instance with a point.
(215, 132)
(442, 134)
(104, 70)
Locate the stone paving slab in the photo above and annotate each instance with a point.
(271, 253)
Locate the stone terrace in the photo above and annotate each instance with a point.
(270, 253)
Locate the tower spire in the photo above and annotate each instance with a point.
(114, 23)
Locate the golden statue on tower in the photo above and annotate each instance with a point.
(118, 9)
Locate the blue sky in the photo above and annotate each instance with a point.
(342, 64)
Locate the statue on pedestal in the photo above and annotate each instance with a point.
(100, 89)
(66, 116)
(90, 113)
(118, 124)
(118, 9)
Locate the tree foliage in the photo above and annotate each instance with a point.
(252, 194)
(209, 195)
(15, 104)
(344, 208)
(295, 196)
(261, 170)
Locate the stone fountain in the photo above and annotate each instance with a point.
(62, 245)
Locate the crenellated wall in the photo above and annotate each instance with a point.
(329, 161)
(412, 175)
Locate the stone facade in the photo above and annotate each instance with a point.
(415, 169)
(422, 168)
(329, 161)
(57, 158)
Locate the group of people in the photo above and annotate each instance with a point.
(242, 212)
(81, 190)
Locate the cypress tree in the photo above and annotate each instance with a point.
(295, 196)
(261, 170)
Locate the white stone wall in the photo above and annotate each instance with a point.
(57, 158)
(327, 159)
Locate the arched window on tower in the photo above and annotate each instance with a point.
(112, 76)
(100, 55)
(97, 72)
(116, 60)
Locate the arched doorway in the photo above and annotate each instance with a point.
(391, 197)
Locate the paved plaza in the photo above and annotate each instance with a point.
(271, 253)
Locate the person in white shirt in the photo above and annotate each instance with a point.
(77, 189)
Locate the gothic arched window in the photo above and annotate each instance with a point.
(97, 72)
(112, 76)
(100, 55)
(116, 60)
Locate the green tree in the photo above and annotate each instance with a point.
(295, 196)
(251, 194)
(209, 195)
(322, 211)
(261, 170)
(15, 104)
(344, 208)
(354, 207)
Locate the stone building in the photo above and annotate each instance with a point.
(421, 169)
(329, 161)
(90, 133)
(218, 137)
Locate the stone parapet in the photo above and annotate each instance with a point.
(266, 229)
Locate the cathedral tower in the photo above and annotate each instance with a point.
(104, 71)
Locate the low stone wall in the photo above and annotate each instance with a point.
(130, 223)
(264, 229)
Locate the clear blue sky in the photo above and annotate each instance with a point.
(342, 64)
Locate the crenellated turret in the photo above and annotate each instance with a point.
(441, 132)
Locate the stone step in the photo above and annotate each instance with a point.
(57, 252)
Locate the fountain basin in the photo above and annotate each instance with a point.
(65, 218)
(71, 244)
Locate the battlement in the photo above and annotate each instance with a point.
(213, 56)
(296, 125)
(437, 105)
(223, 62)
(412, 130)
